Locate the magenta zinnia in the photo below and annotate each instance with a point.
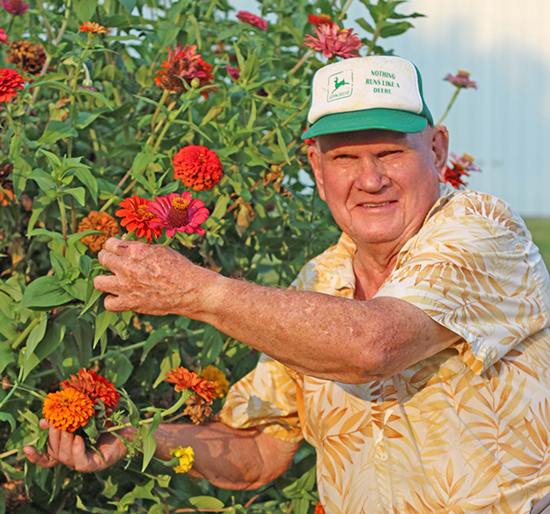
(178, 213)
(331, 41)
(3, 37)
(461, 80)
(252, 19)
(10, 80)
(16, 7)
(137, 218)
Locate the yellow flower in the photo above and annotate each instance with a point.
(186, 457)
(217, 377)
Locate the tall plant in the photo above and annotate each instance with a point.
(122, 117)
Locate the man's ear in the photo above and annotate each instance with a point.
(440, 149)
(314, 156)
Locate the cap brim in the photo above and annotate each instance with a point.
(386, 119)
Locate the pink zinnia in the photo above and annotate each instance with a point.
(460, 168)
(252, 19)
(16, 7)
(3, 37)
(178, 213)
(332, 41)
(234, 73)
(461, 79)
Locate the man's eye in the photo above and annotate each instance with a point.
(387, 152)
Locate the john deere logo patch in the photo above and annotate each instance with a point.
(340, 85)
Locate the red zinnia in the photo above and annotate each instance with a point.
(10, 80)
(324, 19)
(136, 217)
(181, 68)
(94, 386)
(252, 19)
(178, 213)
(16, 7)
(92, 27)
(3, 37)
(197, 167)
(461, 167)
(331, 41)
(185, 379)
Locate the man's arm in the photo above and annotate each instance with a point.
(227, 457)
(320, 335)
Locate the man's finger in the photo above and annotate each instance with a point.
(81, 460)
(106, 283)
(116, 246)
(115, 304)
(44, 461)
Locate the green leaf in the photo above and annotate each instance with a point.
(7, 356)
(97, 95)
(37, 334)
(52, 339)
(141, 161)
(128, 5)
(56, 130)
(206, 502)
(119, 368)
(366, 26)
(79, 194)
(154, 338)
(44, 292)
(149, 443)
(213, 345)
(282, 145)
(395, 29)
(43, 232)
(196, 29)
(7, 417)
(86, 177)
(171, 360)
(144, 76)
(84, 9)
(103, 320)
(53, 83)
(83, 119)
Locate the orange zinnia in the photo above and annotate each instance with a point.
(197, 167)
(68, 409)
(94, 386)
(185, 379)
(98, 221)
(319, 508)
(136, 217)
(92, 27)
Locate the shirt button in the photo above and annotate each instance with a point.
(384, 457)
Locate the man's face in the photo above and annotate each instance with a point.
(380, 184)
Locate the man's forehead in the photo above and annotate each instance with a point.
(359, 137)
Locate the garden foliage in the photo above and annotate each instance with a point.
(99, 120)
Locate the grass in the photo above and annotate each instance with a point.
(540, 230)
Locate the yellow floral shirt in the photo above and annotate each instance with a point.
(465, 431)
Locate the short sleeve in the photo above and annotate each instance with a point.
(474, 269)
(266, 398)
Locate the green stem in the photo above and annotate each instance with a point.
(10, 119)
(63, 222)
(15, 450)
(449, 106)
(25, 332)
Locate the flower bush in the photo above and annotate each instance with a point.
(177, 122)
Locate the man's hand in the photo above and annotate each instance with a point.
(149, 279)
(69, 449)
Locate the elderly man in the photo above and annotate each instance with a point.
(414, 355)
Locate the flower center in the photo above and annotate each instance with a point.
(143, 212)
(177, 216)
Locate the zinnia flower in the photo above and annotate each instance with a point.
(68, 409)
(16, 7)
(3, 37)
(319, 509)
(460, 168)
(461, 79)
(181, 68)
(324, 19)
(10, 80)
(198, 409)
(197, 167)
(234, 73)
(98, 221)
(94, 386)
(178, 213)
(310, 140)
(252, 19)
(331, 41)
(28, 56)
(186, 457)
(136, 217)
(92, 27)
(185, 379)
(218, 378)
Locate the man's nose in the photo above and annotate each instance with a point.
(371, 175)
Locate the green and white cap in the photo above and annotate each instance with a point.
(375, 92)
